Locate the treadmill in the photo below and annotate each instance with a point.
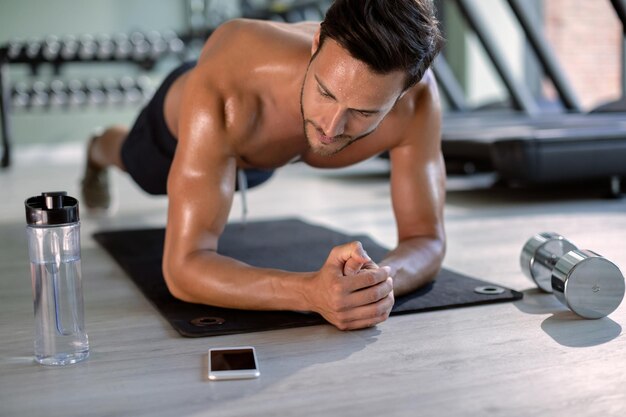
(529, 146)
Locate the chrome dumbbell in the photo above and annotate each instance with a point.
(588, 284)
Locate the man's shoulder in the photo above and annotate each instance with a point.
(240, 46)
(417, 112)
(422, 98)
(263, 31)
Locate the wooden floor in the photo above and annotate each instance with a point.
(529, 358)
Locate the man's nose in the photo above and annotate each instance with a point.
(335, 122)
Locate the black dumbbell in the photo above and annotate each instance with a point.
(14, 49)
(20, 95)
(87, 47)
(33, 48)
(76, 93)
(132, 94)
(158, 46)
(123, 47)
(105, 47)
(175, 45)
(61, 90)
(51, 48)
(69, 48)
(95, 95)
(112, 91)
(39, 96)
(126, 82)
(145, 85)
(588, 284)
(58, 94)
(140, 46)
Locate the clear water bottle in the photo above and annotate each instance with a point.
(54, 250)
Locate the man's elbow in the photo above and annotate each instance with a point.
(440, 248)
(437, 255)
(174, 275)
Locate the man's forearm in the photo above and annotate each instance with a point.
(364, 300)
(414, 263)
(206, 277)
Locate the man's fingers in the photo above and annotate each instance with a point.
(352, 251)
(370, 294)
(366, 296)
(353, 266)
(367, 315)
(366, 278)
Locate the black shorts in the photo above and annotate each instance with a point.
(149, 148)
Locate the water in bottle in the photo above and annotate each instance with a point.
(54, 249)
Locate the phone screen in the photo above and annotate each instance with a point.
(232, 359)
(233, 363)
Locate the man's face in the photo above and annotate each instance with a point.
(342, 100)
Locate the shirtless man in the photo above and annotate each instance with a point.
(263, 94)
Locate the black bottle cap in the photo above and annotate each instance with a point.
(51, 208)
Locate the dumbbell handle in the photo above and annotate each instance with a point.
(546, 258)
(540, 254)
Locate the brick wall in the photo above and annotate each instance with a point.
(586, 37)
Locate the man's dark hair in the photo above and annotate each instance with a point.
(387, 35)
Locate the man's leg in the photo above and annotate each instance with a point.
(103, 151)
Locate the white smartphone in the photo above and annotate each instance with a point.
(233, 363)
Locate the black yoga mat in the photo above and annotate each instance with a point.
(289, 244)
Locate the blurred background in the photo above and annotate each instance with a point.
(69, 66)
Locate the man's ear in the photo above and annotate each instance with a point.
(401, 95)
(316, 42)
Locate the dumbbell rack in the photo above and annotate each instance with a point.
(143, 49)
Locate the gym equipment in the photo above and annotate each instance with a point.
(545, 56)
(526, 147)
(138, 48)
(75, 93)
(20, 95)
(86, 47)
(58, 95)
(51, 48)
(69, 48)
(39, 96)
(588, 284)
(105, 47)
(521, 97)
(14, 49)
(448, 84)
(122, 46)
(32, 48)
(540, 149)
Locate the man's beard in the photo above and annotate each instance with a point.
(342, 140)
(339, 141)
